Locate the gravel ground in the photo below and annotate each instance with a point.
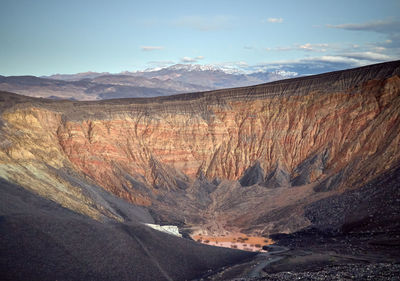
(380, 271)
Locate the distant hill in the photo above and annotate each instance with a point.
(175, 79)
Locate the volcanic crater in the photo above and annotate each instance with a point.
(315, 156)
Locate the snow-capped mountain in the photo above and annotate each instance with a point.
(209, 76)
(193, 67)
(175, 79)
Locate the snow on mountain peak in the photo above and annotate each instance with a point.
(194, 67)
(286, 74)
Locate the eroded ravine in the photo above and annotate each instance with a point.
(331, 131)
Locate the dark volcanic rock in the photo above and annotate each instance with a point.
(253, 175)
(279, 176)
(310, 169)
(373, 207)
(330, 183)
(381, 271)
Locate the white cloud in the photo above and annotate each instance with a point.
(275, 20)
(347, 54)
(319, 47)
(325, 63)
(371, 56)
(388, 27)
(379, 49)
(161, 63)
(352, 59)
(333, 59)
(151, 48)
(313, 47)
(188, 59)
(381, 26)
(191, 60)
(306, 46)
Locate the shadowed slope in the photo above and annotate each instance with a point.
(374, 207)
(40, 240)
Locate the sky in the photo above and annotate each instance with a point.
(44, 37)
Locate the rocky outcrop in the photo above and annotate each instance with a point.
(310, 169)
(252, 175)
(279, 176)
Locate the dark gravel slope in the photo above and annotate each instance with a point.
(375, 207)
(41, 240)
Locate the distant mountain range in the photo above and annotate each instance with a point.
(179, 78)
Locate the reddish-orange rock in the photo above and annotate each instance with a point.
(348, 121)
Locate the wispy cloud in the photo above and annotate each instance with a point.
(390, 27)
(310, 47)
(381, 26)
(281, 48)
(160, 63)
(325, 63)
(273, 20)
(151, 48)
(325, 57)
(369, 56)
(202, 23)
(314, 47)
(191, 60)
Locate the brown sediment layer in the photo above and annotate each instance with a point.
(337, 130)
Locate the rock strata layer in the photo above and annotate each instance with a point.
(335, 131)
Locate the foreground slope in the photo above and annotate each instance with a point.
(244, 159)
(40, 240)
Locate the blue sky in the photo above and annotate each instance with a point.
(46, 37)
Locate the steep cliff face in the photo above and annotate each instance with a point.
(335, 131)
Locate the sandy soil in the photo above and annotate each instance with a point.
(236, 241)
